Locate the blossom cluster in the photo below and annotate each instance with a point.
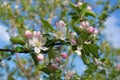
(37, 41)
(89, 29)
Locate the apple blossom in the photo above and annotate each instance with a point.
(63, 55)
(61, 30)
(54, 66)
(78, 4)
(90, 29)
(40, 57)
(73, 42)
(84, 25)
(28, 34)
(58, 59)
(38, 42)
(72, 38)
(89, 8)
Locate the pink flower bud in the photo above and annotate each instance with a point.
(40, 57)
(28, 34)
(89, 8)
(57, 59)
(64, 55)
(37, 34)
(85, 24)
(54, 66)
(90, 30)
(118, 66)
(73, 42)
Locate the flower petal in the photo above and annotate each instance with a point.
(44, 48)
(37, 49)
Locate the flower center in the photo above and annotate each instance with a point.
(59, 34)
(38, 44)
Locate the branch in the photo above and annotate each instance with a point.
(9, 50)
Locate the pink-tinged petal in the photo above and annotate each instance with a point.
(84, 25)
(73, 42)
(44, 48)
(31, 42)
(37, 34)
(37, 49)
(64, 55)
(58, 59)
(28, 34)
(40, 57)
(90, 30)
(54, 66)
(60, 24)
(79, 3)
(89, 8)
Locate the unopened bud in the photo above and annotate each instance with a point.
(28, 34)
(90, 30)
(89, 8)
(40, 57)
(64, 55)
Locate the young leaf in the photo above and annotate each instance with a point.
(34, 57)
(90, 13)
(47, 25)
(91, 48)
(17, 40)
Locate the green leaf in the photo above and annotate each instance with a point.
(91, 48)
(18, 48)
(90, 13)
(46, 70)
(73, 7)
(34, 57)
(47, 25)
(17, 40)
(85, 59)
(52, 54)
(77, 29)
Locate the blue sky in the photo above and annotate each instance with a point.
(112, 33)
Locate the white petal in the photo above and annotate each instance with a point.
(44, 48)
(78, 52)
(37, 49)
(31, 42)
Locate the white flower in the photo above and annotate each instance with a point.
(78, 51)
(38, 42)
(61, 30)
